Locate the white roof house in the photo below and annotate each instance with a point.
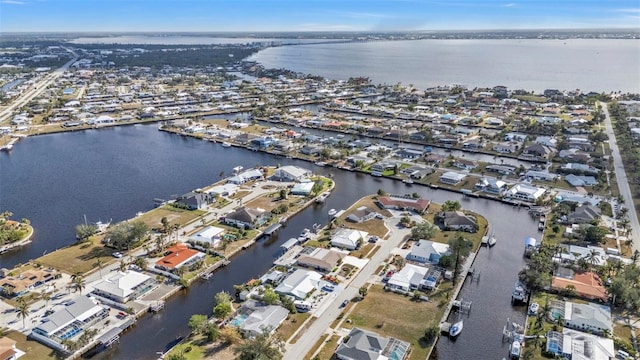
(300, 283)
(291, 173)
(525, 192)
(262, 317)
(348, 238)
(573, 344)
(451, 177)
(228, 189)
(409, 278)
(588, 317)
(210, 235)
(124, 286)
(427, 251)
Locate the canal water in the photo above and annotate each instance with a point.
(55, 180)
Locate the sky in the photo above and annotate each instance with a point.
(312, 15)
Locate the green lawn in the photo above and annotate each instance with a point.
(291, 324)
(174, 215)
(78, 257)
(33, 349)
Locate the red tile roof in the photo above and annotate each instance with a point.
(178, 254)
(587, 285)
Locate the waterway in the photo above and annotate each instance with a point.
(527, 64)
(113, 173)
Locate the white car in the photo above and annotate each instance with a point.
(116, 255)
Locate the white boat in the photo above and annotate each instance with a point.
(320, 163)
(492, 240)
(304, 235)
(533, 308)
(515, 349)
(332, 212)
(323, 197)
(102, 226)
(407, 181)
(226, 144)
(7, 147)
(519, 293)
(237, 169)
(456, 329)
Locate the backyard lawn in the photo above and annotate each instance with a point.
(78, 257)
(33, 349)
(291, 324)
(390, 314)
(174, 215)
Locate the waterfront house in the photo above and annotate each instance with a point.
(303, 188)
(586, 285)
(228, 189)
(451, 178)
(525, 192)
(177, 256)
(505, 148)
(410, 278)
(69, 322)
(539, 151)
(211, 235)
(501, 169)
(419, 205)
(540, 175)
(324, 260)
(574, 344)
(362, 214)
(349, 239)
(26, 281)
(384, 165)
(575, 168)
(254, 318)
(491, 186)
(300, 284)
(465, 164)
(311, 150)
(584, 214)
(247, 218)
(263, 142)
(580, 180)
(355, 160)
(192, 201)
(291, 173)
(459, 221)
(123, 287)
(588, 317)
(427, 251)
(410, 154)
(366, 345)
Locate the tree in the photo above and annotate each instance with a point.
(223, 306)
(99, 264)
(198, 323)
(84, 232)
(22, 309)
(460, 248)
(382, 192)
(595, 234)
(431, 333)
(261, 347)
(270, 297)
(46, 296)
(537, 274)
(78, 282)
(423, 230)
(212, 332)
(451, 205)
(229, 335)
(363, 290)
(126, 235)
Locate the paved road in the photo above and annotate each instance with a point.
(621, 177)
(37, 89)
(320, 325)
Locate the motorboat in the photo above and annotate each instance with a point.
(533, 308)
(237, 169)
(332, 212)
(515, 349)
(304, 235)
(226, 144)
(407, 181)
(456, 329)
(492, 240)
(519, 293)
(320, 163)
(320, 199)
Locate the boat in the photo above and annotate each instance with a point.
(7, 147)
(515, 349)
(492, 240)
(519, 293)
(407, 181)
(226, 144)
(332, 212)
(533, 308)
(320, 163)
(304, 235)
(456, 329)
(320, 199)
(237, 169)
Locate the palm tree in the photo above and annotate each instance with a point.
(46, 296)
(99, 264)
(592, 257)
(23, 310)
(79, 283)
(122, 266)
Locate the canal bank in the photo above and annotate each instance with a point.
(159, 164)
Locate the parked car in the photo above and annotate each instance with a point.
(344, 303)
(117, 255)
(373, 239)
(328, 288)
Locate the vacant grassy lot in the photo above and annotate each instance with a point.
(33, 349)
(363, 251)
(174, 215)
(395, 315)
(291, 324)
(328, 347)
(79, 257)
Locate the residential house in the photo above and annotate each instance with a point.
(303, 188)
(192, 201)
(311, 150)
(211, 236)
(68, 323)
(427, 251)
(411, 277)
(587, 285)
(575, 168)
(247, 218)
(457, 220)
(291, 173)
(539, 151)
(501, 169)
(451, 178)
(384, 165)
(123, 287)
(491, 186)
(525, 192)
(362, 214)
(540, 175)
(465, 164)
(299, 284)
(26, 281)
(584, 214)
(573, 344)
(366, 345)
(349, 239)
(411, 154)
(324, 260)
(506, 148)
(8, 349)
(263, 142)
(580, 180)
(354, 160)
(260, 317)
(419, 205)
(228, 189)
(178, 256)
(588, 317)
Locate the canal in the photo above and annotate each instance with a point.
(113, 173)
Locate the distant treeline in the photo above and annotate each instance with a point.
(182, 58)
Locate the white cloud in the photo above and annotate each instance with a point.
(510, 5)
(635, 11)
(12, 2)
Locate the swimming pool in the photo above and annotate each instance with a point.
(238, 320)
